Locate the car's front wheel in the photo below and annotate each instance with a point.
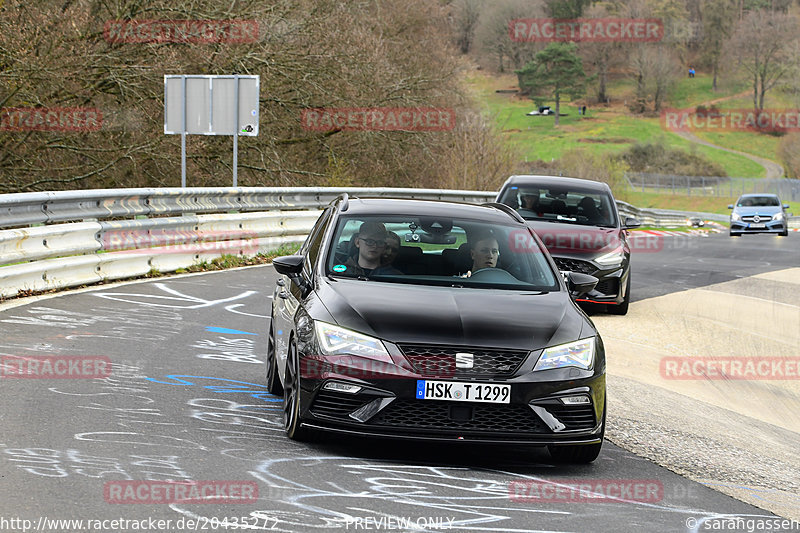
(784, 233)
(732, 234)
(291, 396)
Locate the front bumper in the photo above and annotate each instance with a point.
(386, 406)
(611, 284)
(769, 227)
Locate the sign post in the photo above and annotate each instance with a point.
(211, 105)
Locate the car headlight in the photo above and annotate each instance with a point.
(736, 217)
(615, 256)
(778, 216)
(335, 340)
(579, 354)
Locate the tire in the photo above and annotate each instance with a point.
(291, 397)
(732, 234)
(273, 380)
(578, 453)
(622, 309)
(785, 233)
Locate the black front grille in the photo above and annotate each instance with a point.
(434, 360)
(574, 417)
(761, 218)
(574, 265)
(607, 286)
(337, 404)
(438, 415)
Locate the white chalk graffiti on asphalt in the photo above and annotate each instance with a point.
(178, 300)
(232, 308)
(229, 349)
(49, 462)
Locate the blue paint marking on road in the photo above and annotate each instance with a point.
(222, 386)
(214, 329)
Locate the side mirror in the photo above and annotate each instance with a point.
(292, 266)
(289, 265)
(579, 283)
(786, 206)
(730, 206)
(632, 223)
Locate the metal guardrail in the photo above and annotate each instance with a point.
(22, 209)
(74, 238)
(787, 189)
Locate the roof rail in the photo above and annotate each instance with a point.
(345, 201)
(506, 209)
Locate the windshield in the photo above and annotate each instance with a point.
(430, 250)
(569, 205)
(758, 201)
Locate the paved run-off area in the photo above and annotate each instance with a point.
(741, 436)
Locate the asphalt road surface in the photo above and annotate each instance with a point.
(186, 401)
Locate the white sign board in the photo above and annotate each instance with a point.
(212, 105)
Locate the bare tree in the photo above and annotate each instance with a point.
(760, 46)
(493, 38)
(655, 69)
(719, 17)
(601, 56)
(465, 18)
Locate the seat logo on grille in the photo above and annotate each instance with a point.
(465, 360)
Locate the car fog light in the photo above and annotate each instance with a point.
(575, 400)
(341, 387)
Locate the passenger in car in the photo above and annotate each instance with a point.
(371, 243)
(392, 248)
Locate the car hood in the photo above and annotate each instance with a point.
(403, 313)
(574, 240)
(757, 210)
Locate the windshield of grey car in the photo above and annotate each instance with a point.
(758, 201)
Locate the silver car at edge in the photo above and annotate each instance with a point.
(759, 213)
